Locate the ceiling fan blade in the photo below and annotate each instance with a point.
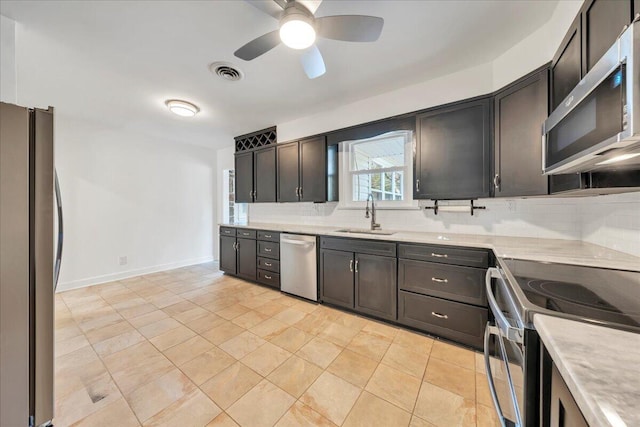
(270, 7)
(259, 46)
(350, 28)
(312, 62)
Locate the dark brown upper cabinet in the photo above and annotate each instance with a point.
(453, 152)
(520, 110)
(244, 177)
(302, 171)
(566, 66)
(255, 175)
(602, 23)
(264, 175)
(592, 33)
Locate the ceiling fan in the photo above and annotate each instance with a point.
(299, 28)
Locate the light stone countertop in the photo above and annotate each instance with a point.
(528, 248)
(600, 365)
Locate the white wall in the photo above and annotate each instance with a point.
(612, 221)
(536, 49)
(462, 84)
(8, 82)
(131, 195)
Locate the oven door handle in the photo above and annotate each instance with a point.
(488, 331)
(510, 332)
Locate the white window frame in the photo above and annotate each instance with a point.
(346, 178)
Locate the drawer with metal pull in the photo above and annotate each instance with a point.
(462, 284)
(269, 264)
(269, 236)
(227, 231)
(445, 254)
(269, 250)
(459, 322)
(246, 233)
(269, 278)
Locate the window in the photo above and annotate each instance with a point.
(232, 212)
(380, 166)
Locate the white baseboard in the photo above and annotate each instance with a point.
(96, 280)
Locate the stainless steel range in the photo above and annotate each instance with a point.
(517, 290)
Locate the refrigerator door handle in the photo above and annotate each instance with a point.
(58, 261)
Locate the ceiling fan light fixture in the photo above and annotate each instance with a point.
(297, 32)
(182, 108)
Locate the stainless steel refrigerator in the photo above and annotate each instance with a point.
(29, 265)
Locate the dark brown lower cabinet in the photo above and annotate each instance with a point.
(363, 282)
(251, 254)
(246, 258)
(269, 278)
(459, 322)
(336, 278)
(228, 254)
(564, 409)
(375, 285)
(463, 284)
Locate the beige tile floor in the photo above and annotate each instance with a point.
(192, 347)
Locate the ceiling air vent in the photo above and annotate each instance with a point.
(226, 71)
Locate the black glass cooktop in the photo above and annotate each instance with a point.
(607, 296)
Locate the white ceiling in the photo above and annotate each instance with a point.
(116, 62)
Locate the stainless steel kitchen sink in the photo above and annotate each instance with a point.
(365, 231)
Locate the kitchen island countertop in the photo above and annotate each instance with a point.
(600, 365)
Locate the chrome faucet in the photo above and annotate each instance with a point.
(374, 225)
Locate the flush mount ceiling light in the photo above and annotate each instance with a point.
(182, 108)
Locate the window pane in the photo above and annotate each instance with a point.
(378, 153)
(383, 186)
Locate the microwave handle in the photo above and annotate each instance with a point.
(488, 331)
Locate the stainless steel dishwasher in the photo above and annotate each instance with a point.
(298, 265)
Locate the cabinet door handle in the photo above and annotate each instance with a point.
(439, 255)
(266, 276)
(351, 266)
(268, 264)
(356, 266)
(438, 280)
(235, 246)
(496, 182)
(439, 316)
(267, 250)
(300, 192)
(255, 195)
(268, 236)
(297, 191)
(417, 185)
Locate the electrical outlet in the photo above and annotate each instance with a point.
(122, 260)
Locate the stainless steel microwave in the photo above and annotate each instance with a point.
(597, 126)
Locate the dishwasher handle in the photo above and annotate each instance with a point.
(297, 242)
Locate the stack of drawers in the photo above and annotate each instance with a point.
(269, 258)
(441, 290)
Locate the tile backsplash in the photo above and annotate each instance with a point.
(612, 221)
